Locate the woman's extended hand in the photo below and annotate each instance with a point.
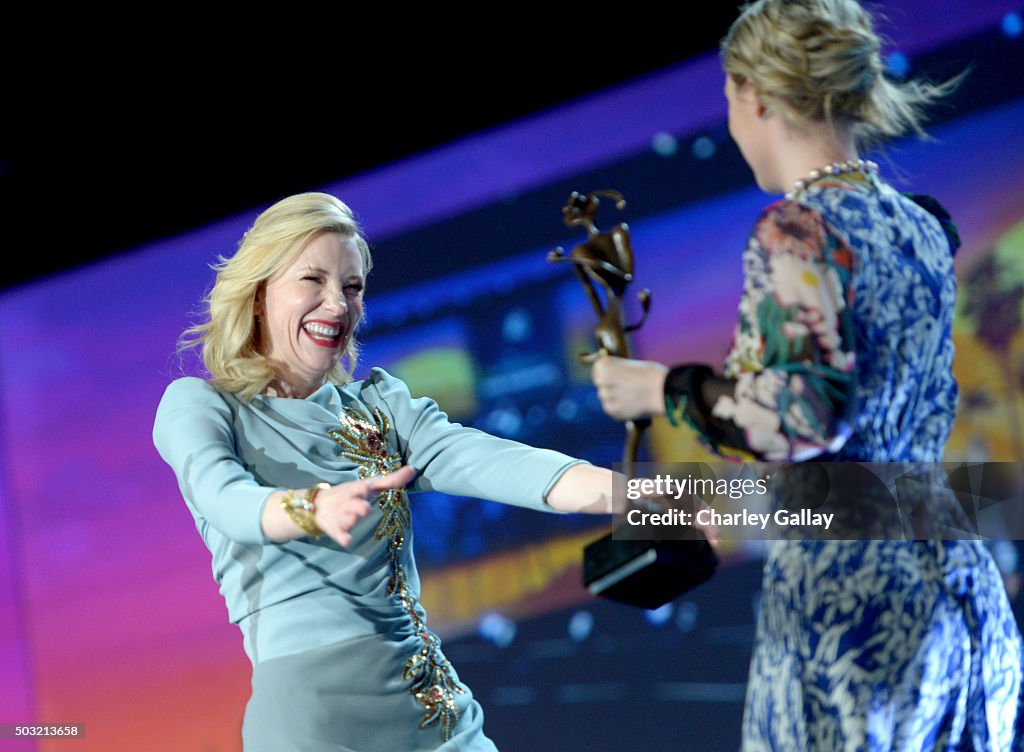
(340, 507)
(629, 389)
(696, 509)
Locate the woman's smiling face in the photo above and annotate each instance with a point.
(308, 312)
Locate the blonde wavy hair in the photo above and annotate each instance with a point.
(229, 337)
(820, 61)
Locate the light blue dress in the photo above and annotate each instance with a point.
(342, 656)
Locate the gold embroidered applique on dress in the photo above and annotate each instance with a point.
(431, 678)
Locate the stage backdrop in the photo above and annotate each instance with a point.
(108, 613)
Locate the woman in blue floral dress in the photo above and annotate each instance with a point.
(843, 351)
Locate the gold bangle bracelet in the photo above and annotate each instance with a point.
(302, 508)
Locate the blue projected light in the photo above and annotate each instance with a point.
(497, 629)
(581, 625)
(517, 326)
(687, 616)
(664, 144)
(1013, 24)
(660, 616)
(897, 64)
(703, 148)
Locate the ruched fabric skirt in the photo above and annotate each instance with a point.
(348, 697)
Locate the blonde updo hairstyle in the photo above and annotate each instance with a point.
(229, 338)
(820, 61)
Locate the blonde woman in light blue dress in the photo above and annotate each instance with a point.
(297, 478)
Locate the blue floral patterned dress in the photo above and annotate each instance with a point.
(844, 351)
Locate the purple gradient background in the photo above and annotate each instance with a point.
(108, 616)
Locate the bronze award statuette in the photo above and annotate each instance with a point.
(645, 573)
